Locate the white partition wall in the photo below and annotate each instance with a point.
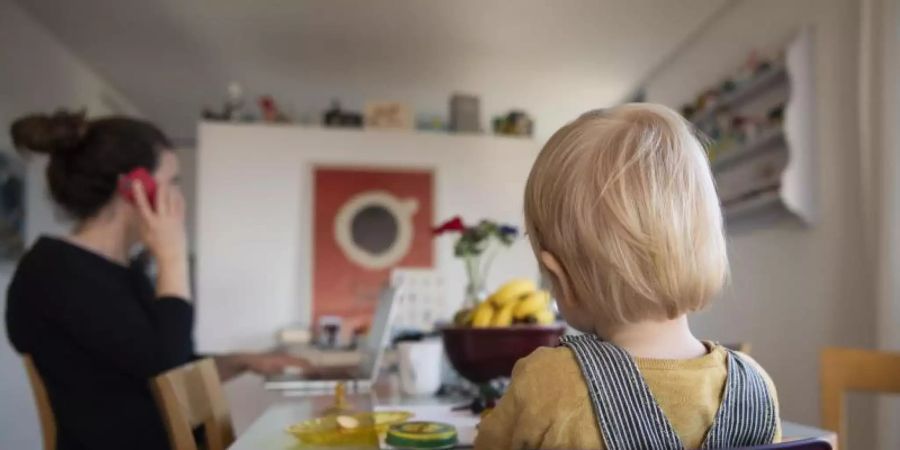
(254, 207)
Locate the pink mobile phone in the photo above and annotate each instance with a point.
(140, 175)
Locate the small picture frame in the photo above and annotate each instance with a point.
(388, 115)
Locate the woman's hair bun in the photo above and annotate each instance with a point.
(53, 134)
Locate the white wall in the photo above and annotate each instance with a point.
(37, 74)
(880, 102)
(554, 59)
(794, 289)
(254, 206)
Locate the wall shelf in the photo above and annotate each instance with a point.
(766, 141)
(774, 173)
(752, 205)
(772, 77)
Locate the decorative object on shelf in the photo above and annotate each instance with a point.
(477, 246)
(514, 123)
(388, 115)
(465, 113)
(270, 111)
(731, 131)
(365, 223)
(233, 107)
(335, 117)
(754, 74)
(431, 123)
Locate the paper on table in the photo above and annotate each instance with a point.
(464, 421)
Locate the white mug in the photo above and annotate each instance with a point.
(420, 366)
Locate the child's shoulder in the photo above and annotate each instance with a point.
(549, 376)
(759, 368)
(547, 359)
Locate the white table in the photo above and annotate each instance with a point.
(268, 431)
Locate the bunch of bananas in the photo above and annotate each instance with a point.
(518, 301)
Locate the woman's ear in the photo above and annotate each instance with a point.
(560, 280)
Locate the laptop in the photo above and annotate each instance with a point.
(360, 378)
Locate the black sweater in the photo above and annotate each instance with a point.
(97, 334)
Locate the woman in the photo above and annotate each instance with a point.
(95, 327)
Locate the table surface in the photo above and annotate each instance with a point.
(268, 431)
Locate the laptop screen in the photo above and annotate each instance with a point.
(379, 334)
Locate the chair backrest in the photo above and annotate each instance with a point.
(42, 401)
(190, 396)
(846, 369)
(803, 444)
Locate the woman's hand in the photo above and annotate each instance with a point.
(163, 232)
(264, 364)
(162, 228)
(274, 363)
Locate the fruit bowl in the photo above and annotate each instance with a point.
(483, 354)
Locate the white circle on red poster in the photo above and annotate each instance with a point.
(374, 228)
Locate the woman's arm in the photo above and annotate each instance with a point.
(162, 230)
(234, 364)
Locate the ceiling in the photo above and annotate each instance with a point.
(554, 58)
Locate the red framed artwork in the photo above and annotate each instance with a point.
(366, 221)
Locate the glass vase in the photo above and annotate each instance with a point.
(475, 289)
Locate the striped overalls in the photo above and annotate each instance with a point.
(630, 419)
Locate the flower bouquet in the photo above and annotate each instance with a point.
(477, 246)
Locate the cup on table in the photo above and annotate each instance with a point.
(420, 366)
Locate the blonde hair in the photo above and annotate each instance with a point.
(625, 201)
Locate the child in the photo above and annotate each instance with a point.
(623, 216)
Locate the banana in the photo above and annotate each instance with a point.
(532, 303)
(483, 316)
(504, 316)
(544, 317)
(463, 317)
(512, 291)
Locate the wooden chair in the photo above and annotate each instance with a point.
(42, 400)
(190, 396)
(846, 369)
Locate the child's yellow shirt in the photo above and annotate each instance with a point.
(547, 403)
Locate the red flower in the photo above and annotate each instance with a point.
(454, 224)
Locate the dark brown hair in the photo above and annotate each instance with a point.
(87, 157)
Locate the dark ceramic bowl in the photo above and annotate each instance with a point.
(482, 354)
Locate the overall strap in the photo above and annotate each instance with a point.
(746, 416)
(628, 416)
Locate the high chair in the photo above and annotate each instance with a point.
(42, 401)
(847, 369)
(190, 396)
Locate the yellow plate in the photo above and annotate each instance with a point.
(325, 430)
